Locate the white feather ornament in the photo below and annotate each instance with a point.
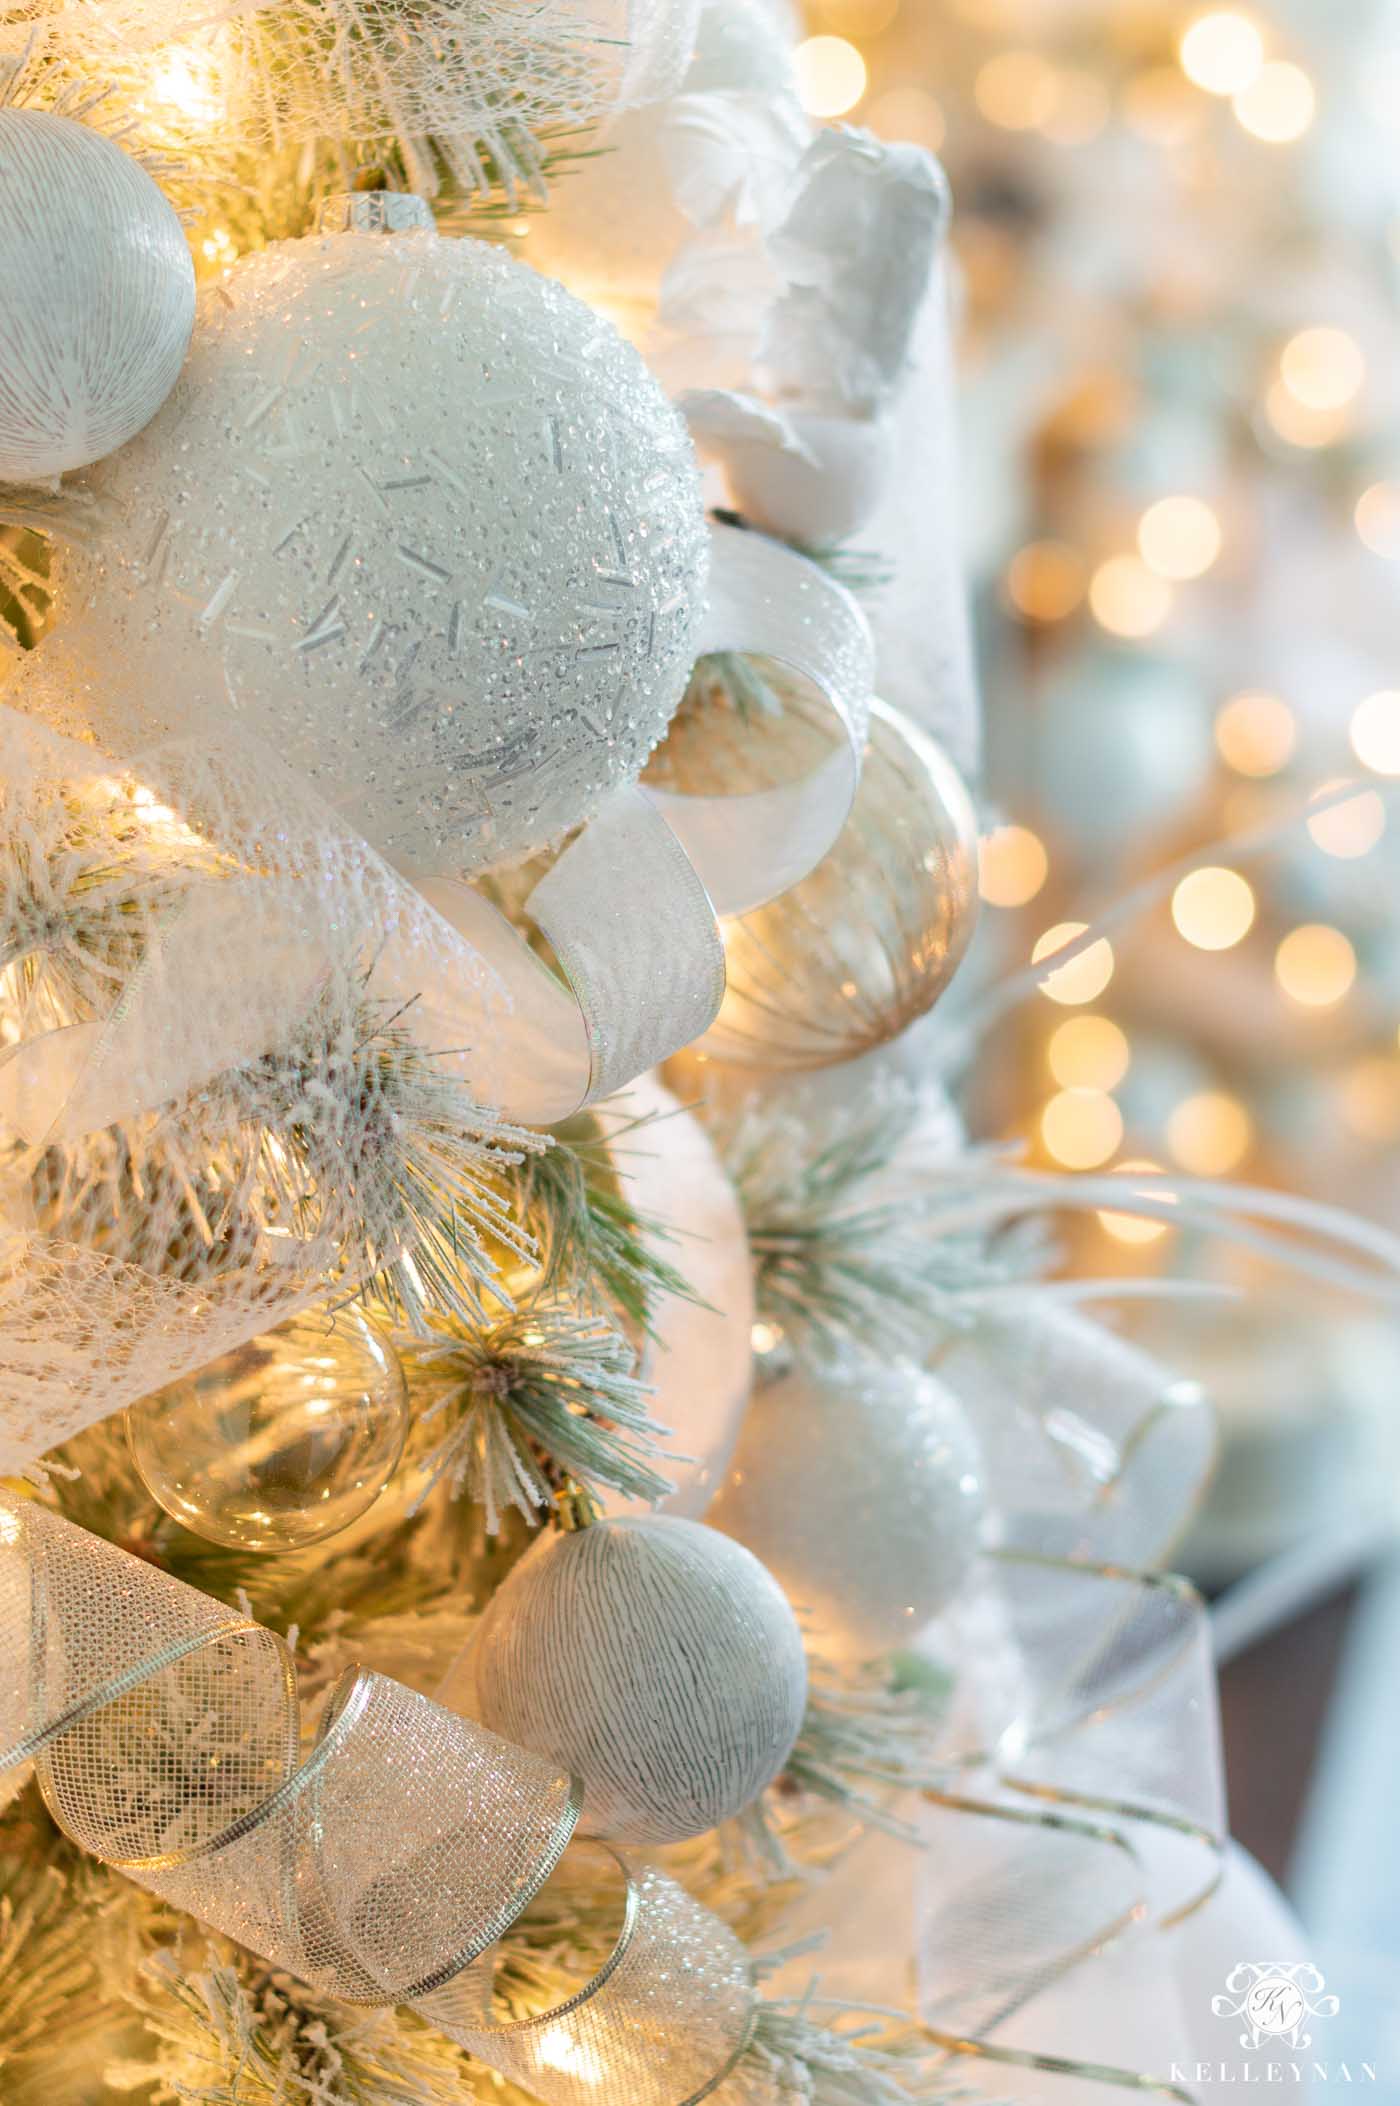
(656, 1659)
(96, 295)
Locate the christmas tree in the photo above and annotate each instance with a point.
(545, 1473)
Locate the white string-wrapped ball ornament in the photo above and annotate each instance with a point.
(96, 295)
(860, 1484)
(423, 520)
(656, 1659)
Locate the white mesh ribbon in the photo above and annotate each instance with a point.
(200, 965)
(381, 1867)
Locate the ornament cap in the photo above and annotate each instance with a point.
(374, 212)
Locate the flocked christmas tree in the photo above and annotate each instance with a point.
(495, 1533)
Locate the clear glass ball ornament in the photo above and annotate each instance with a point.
(280, 1443)
(417, 518)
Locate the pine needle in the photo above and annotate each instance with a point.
(543, 1401)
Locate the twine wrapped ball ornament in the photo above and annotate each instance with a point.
(424, 519)
(97, 295)
(859, 1484)
(656, 1660)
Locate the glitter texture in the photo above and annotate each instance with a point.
(426, 520)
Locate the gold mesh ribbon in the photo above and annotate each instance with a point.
(381, 1867)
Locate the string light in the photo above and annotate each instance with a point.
(1159, 106)
(909, 114)
(1351, 829)
(1012, 865)
(1377, 517)
(1210, 1133)
(830, 76)
(1088, 1053)
(1045, 581)
(1179, 537)
(1375, 732)
(1222, 51)
(1315, 965)
(1278, 105)
(1323, 368)
(1083, 978)
(1081, 1128)
(1134, 1228)
(1255, 734)
(1016, 90)
(1213, 908)
(1370, 1097)
(1127, 598)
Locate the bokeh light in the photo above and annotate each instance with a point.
(1082, 978)
(1369, 1092)
(1081, 1128)
(1255, 734)
(1045, 581)
(1159, 106)
(1222, 51)
(1279, 103)
(1127, 598)
(1179, 537)
(1377, 518)
(1298, 425)
(1375, 732)
(1088, 1053)
(908, 114)
(1213, 908)
(1134, 1228)
(830, 76)
(1315, 965)
(1016, 90)
(1323, 369)
(1210, 1133)
(1349, 829)
(1079, 107)
(1012, 865)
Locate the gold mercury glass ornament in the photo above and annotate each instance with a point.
(861, 948)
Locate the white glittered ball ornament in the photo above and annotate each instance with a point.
(859, 1484)
(421, 520)
(654, 1658)
(96, 295)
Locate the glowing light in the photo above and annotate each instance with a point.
(180, 82)
(909, 113)
(9, 1528)
(1079, 107)
(1315, 965)
(558, 2049)
(1297, 425)
(1210, 1133)
(1159, 106)
(1213, 908)
(1179, 537)
(763, 1337)
(1375, 732)
(1222, 52)
(1011, 866)
(1370, 1097)
(1016, 90)
(218, 247)
(1088, 1053)
(1083, 978)
(1255, 734)
(1045, 581)
(1081, 1128)
(1278, 105)
(1377, 517)
(1127, 598)
(830, 76)
(1134, 1228)
(1351, 829)
(1323, 368)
